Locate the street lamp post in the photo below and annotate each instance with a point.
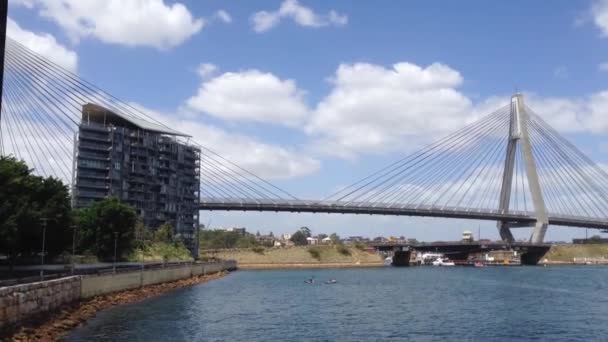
(115, 243)
(44, 221)
(74, 227)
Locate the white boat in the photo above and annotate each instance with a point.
(388, 261)
(429, 258)
(443, 262)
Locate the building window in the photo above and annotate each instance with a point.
(116, 166)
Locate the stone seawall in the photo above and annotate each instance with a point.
(20, 302)
(23, 301)
(98, 285)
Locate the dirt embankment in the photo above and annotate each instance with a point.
(577, 254)
(302, 257)
(54, 326)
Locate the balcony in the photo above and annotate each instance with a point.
(92, 166)
(91, 137)
(94, 175)
(91, 194)
(92, 185)
(97, 156)
(96, 147)
(93, 127)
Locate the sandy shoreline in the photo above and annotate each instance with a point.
(56, 325)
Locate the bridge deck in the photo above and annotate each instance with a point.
(361, 208)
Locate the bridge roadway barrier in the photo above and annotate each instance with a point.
(20, 302)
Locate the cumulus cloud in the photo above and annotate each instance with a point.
(126, 22)
(251, 95)
(43, 44)
(206, 70)
(573, 115)
(599, 13)
(374, 109)
(268, 161)
(263, 20)
(223, 16)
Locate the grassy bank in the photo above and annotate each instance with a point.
(160, 251)
(295, 257)
(567, 253)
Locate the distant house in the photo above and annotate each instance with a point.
(266, 240)
(240, 231)
(312, 240)
(592, 240)
(354, 239)
(326, 241)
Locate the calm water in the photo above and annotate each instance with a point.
(382, 304)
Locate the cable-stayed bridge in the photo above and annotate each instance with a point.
(509, 166)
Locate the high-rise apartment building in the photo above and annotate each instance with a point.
(142, 164)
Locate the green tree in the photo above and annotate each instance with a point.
(142, 234)
(101, 223)
(299, 238)
(334, 238)
(221, 239)
(305, 231)
(26, 201)
(164, 233)
(595, 239)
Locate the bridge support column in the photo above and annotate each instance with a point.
(518, 133)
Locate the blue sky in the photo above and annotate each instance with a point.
(299, 69)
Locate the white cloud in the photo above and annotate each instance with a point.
(43, 44)
(376, 109)
(251, 95)
(265, 160)
(599, 13)
(223, 16)
(561, 72)
(563, 114)
(206, 70)
(126, 22)
(301, 15)
(373, 109)
(603, 66)
(572, 115)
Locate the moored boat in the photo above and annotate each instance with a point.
(443, 262)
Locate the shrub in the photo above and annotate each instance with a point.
(359, 246)
(258, 250)
(343, 250)
(315, 253)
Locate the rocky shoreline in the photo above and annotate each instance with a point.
(58, 324)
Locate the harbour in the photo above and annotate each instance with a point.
(381, 304)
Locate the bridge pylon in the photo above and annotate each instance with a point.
(519, 138)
